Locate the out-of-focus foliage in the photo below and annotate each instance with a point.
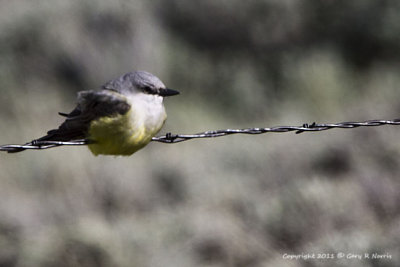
(232, 201)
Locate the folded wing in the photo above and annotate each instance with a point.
(91, 105)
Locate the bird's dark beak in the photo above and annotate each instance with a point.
(167, 92)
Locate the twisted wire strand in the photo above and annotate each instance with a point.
(176, 138)
(313, 127)
(43, 145)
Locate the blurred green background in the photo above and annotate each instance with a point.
(232, 201)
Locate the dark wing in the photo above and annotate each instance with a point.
(91, 105)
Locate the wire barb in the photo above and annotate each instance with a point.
(170, 138)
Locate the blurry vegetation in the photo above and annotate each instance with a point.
(234, 201)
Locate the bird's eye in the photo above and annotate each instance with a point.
(148, 89)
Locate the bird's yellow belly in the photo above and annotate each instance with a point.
(120, 135)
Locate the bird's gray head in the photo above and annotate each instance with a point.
(139, 81)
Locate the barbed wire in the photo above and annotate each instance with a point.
(170, 138)
(35, 144)
(313, 127)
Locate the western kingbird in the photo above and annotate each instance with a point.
(118, 119)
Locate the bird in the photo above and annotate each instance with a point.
(117, 119)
